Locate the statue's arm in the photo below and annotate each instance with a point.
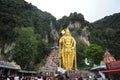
(60, 52)
(74, 42)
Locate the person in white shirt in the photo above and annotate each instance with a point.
(16, 77)
(8, 78)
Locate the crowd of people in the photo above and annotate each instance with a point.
(61, 76)
(56, 76)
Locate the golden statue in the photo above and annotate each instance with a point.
(67, 50)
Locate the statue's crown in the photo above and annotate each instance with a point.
(67, 30)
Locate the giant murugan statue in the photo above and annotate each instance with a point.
(67, 51)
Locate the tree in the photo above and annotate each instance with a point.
(26, 46)
(43, 50)
(94, 53)
(81, 47)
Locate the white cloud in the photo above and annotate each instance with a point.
(91, 9)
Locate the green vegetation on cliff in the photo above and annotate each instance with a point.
(106, 32)
(26, 26)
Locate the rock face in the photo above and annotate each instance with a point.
(80, 36)
(74, 25)
(7, 48)
(84, 35)
(55, 36)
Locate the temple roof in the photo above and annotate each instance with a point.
(108, 57)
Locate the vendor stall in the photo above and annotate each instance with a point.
(8, 69)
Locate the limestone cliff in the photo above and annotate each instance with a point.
(79, 32)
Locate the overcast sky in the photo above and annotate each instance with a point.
(91, 9)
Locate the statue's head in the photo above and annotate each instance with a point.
(67, 32)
